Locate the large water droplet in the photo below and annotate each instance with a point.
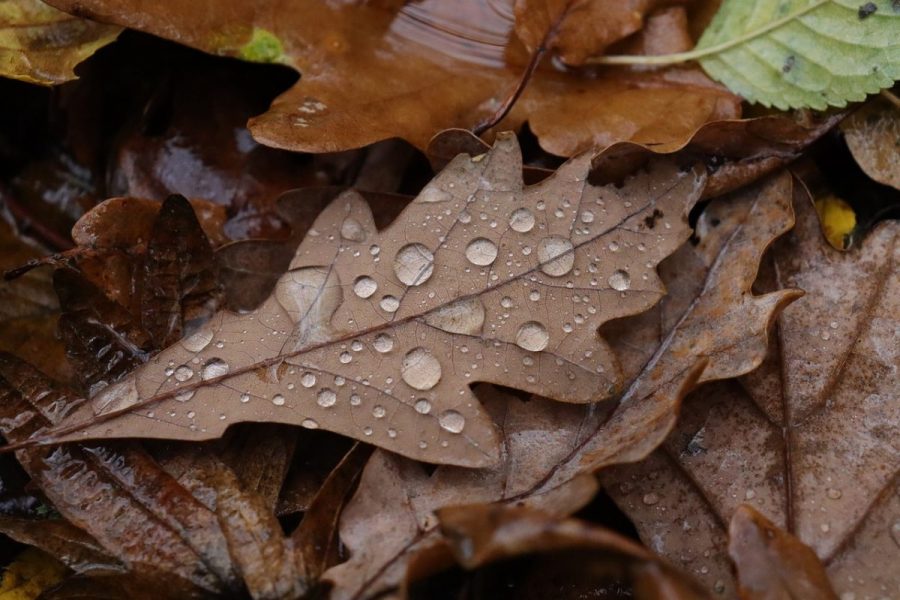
(432, 193)
(183, 373)
(420, 369)
(452, 421)
(198, 341)
(556, 255)
(326, 398)
(414, 264)
(383, 343)
(352, 230)
(423, 406)
(378, 411)
(465, 317)
(521, 220)
(308, 380)
(345, 358)
(620, 281)
(532, 336)
(364, 286)
(214, 367)
(481, 252)
(389, 304)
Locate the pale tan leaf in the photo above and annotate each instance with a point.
(873, 136)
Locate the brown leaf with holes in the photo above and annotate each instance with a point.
(448, 65)
(710, 318)
(377, 335)
(873, 136)
(561, 559)
(772, 563)
(808, 440)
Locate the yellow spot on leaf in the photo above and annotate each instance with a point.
(838, 220)
(30, 574)
(264, 46)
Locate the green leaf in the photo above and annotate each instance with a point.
(795, 53)
(803, 53)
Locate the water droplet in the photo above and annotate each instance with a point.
(423, 406)
(825, 527)
(834, 493)
(895, 532)
(278, 400)
(378, 411)
(364, 286)
(414, 264)
(191, 414)
(383, 343)
(420, 369)
(356, 346)
(355, 400)
(556, 255)
(650, 499)
(183, 373)
(309, 424)
(389, 304)
(214, 367)
(620, 281)
(506, 302)
(613, 246)
(481, 252)
(326, 398)
(198, 341)
(749, 495)
(532, 336)
(392, 433)
(465, 317)
(534, 295)
(423, 445)
(352, 230)
(374, 249)
(521, 220)
(245, 398)
(345, 358)
(367, 430)
(184, 396)
(432, 193)
(452, 421)
(308, 380)
(587, 217)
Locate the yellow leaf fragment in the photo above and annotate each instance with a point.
(30, 574)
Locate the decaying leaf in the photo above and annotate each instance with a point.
(29, 575)
(378, 335)
(449, 65)
(41, 44)
(771, 563)
(809, 440)
(550, 448)
(562, 558)
(873, 135)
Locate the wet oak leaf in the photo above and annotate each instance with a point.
(41, 44)
(709, 317)
(378, 335)
(816, 451)
(371, 72)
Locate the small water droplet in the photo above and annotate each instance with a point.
(825, 527)
(420, 369)
(423, 406)
(326, 398)
(620, 281)
(392, 433)
(389, 304)
(367, 430)
(506, 302)
(356, 346)
(650, 499)
(355, 400)
(534, 295)
(587, 217)
(197, 341)
(613, 246)
(556, 255)
(345, 358)
(183, 373)
(214, 367)
(309, 424)
(364, 286)
(278, 400)
(352, 230)
(191, 414)
(308, 380)
(521, 220)
(184, 396)
(414, 264)
(378, 411)
(834, 493)
(383, 343)
(245, 398)
(452, 421)
(532, 336)
(481, 252)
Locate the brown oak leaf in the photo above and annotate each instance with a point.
(377, 335)
(872, 132)
(808, 440)
(549, 450)
(370, 72)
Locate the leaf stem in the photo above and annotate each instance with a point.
(696, 53)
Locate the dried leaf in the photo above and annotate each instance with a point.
(460, 60)
(569, 558)
(709, 315)
(31, 573)
(873, 135)
(772, 563)
(62, 540)
(40, 44)
(377, 335)
(816, 425)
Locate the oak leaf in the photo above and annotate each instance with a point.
(371, 72)
(872, 133)
(550, 449)
(378, 335)
(817, 425)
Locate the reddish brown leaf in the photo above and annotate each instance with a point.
(62, 540)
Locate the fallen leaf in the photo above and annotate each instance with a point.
(562, 558)
(550, 448)
(771, 563)
(68, 544)
(41, 44)
(30, 574)
(872, 133)
(377, 335)
(808, 439)
(448, 66)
